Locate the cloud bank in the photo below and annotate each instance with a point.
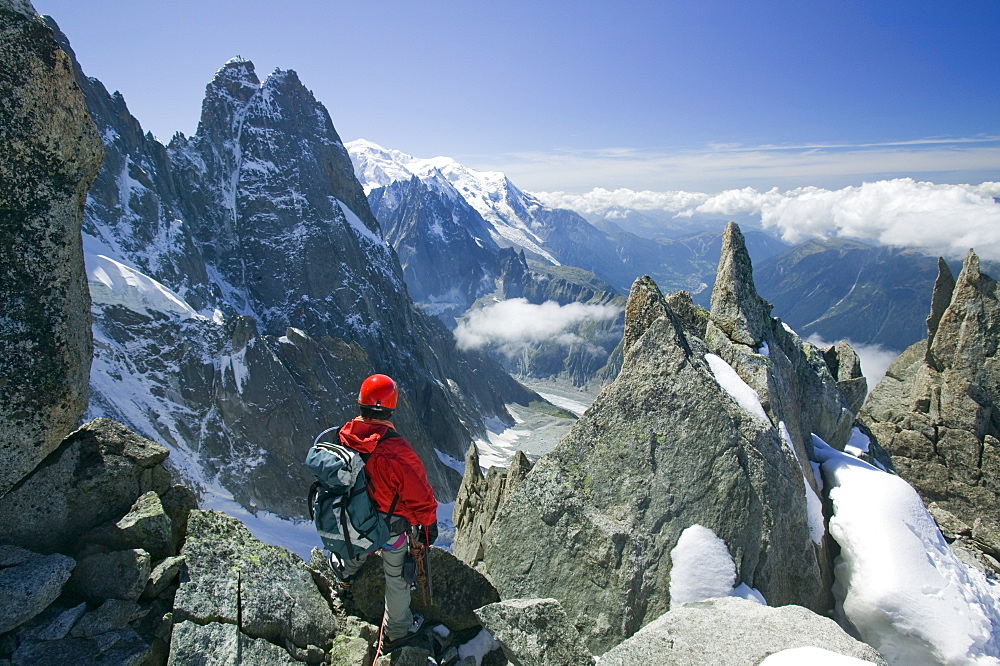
(937, 219)
(516, 321)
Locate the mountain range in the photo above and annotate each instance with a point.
(447, 221)
(242, 290)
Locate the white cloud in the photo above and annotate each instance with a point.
(601, 201)
(517, 321)
(937, 219)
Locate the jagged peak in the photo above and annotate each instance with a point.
(645, 305)
(944, 287)
(279, 77)
(970, 268)
(965, 331)
(237, 69)
(736, 307)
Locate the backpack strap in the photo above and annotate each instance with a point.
(319, 436)
(311, 499)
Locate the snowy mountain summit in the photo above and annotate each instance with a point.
(513, 216)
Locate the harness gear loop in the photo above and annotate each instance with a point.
(420, 552)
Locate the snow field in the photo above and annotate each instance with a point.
(896, 580)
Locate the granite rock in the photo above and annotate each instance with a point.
(50, 155)
(733, 632)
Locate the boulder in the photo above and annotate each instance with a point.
(29, 582)
(348, 651)
(664, 447)
(120, 574)
(145, 526)
(935, 411)
(405, 656)
(51, 154)
(59, 627)
(178, 502)
(162, 575)
(950, 526)
(94, 477)
(112, 615)
(124, 648)
(535, 632)
(222, 644)
(733, 632)
(457, 591)
(231, 577)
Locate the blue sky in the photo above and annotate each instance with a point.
(569, 96)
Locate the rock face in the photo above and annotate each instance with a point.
(936, 410)
(29, 582)
(50, 154)
(671, 444)
(733, 632)
(478, 499)
(446, 252)
(845, 366)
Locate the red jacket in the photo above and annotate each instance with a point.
(392, 468)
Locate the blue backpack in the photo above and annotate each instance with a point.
(345, 517)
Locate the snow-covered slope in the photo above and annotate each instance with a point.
(510, 213)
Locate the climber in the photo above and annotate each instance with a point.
(397, 484)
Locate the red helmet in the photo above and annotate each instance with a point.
(378, 391)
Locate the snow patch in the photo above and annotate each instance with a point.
(896, 579)
(478, 647)
(448, 461)
(814, 656)
(568, 404)
(858, 443)
(114, 283)
(814, 505)
(703, 569)
(738, 389)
